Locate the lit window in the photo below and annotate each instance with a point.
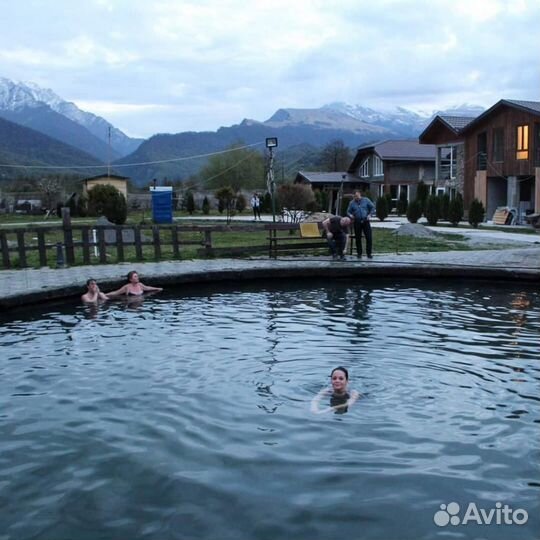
(377, 166)
(522, 146)
(364, 168)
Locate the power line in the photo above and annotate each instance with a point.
(131, 164)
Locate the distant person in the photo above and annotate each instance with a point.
(337, 230)
(361, 208)
(93, 294)
(340, 396)
(256, 207)
(133, 287)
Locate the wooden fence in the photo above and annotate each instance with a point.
(71, 244)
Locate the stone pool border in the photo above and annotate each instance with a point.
(30, 286)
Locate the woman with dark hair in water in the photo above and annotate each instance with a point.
(340, 397)
(134, 287)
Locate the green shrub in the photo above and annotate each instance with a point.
(105, 200)
(266, 203)
(402, 204)
(206, 206)
(414, 211)
(432, 210)
(381, 208)
(476, 213)
(445, 204)
(389, 202)
(240, 203)
(190, 203)
(455, 210)
(422, 193)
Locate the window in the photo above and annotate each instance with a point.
(447, 162)
(481, 149)
(522, 146)
(364, 168)
(498, 144)
(377, 166)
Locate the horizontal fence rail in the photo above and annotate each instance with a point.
(87, 244)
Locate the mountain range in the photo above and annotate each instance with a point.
(300, 132)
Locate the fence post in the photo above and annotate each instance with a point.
(68, 235)
(208, 241)
(21, 249)
(42, 248)
(5, 250)
(85, 237)
(60, 263)
(119, 243)
(157, 243)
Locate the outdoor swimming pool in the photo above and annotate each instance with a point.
(186, 415)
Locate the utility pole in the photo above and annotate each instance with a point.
(271, 143)
(109, 154)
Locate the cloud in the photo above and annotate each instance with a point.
(174, 65)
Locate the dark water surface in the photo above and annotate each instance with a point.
(187, 415)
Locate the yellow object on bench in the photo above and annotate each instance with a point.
(500, 217)
(309, 230)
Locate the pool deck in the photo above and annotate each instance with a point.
(29, 286)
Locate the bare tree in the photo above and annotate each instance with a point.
(50, 187)
(294, 199)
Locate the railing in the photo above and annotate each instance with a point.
(71, 244)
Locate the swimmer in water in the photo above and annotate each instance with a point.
(134, 287)
(93, 294)
(340, 397)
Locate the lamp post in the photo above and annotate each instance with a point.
(271, 143)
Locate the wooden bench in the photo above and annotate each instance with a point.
(294, 237)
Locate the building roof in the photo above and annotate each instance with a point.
(456, 123)
(115, 176)
(325, 177)
(527, 106)
(402, 150)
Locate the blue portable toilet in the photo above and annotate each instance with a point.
(162, 204)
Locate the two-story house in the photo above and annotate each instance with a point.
(391, 166)
(394, 167)
(445, 132)
(497, 156)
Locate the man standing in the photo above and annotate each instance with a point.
(360, 208)
(256, 206)
(336, 235)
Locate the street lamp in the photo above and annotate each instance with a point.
(271, 143)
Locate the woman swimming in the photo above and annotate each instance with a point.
(134, 287)
(340, 397)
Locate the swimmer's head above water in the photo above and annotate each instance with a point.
(339, 378)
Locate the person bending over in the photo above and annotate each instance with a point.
(336, 235)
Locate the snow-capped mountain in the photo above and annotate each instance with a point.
(17, 98)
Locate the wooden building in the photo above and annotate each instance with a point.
(394, 167)
(119, 182)
(498, 153)
(445, 132)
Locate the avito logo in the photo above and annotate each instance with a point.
(500, 515)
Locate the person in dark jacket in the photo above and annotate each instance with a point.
(337, 230)
(361, 208)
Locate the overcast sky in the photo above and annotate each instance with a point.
(167, 66)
